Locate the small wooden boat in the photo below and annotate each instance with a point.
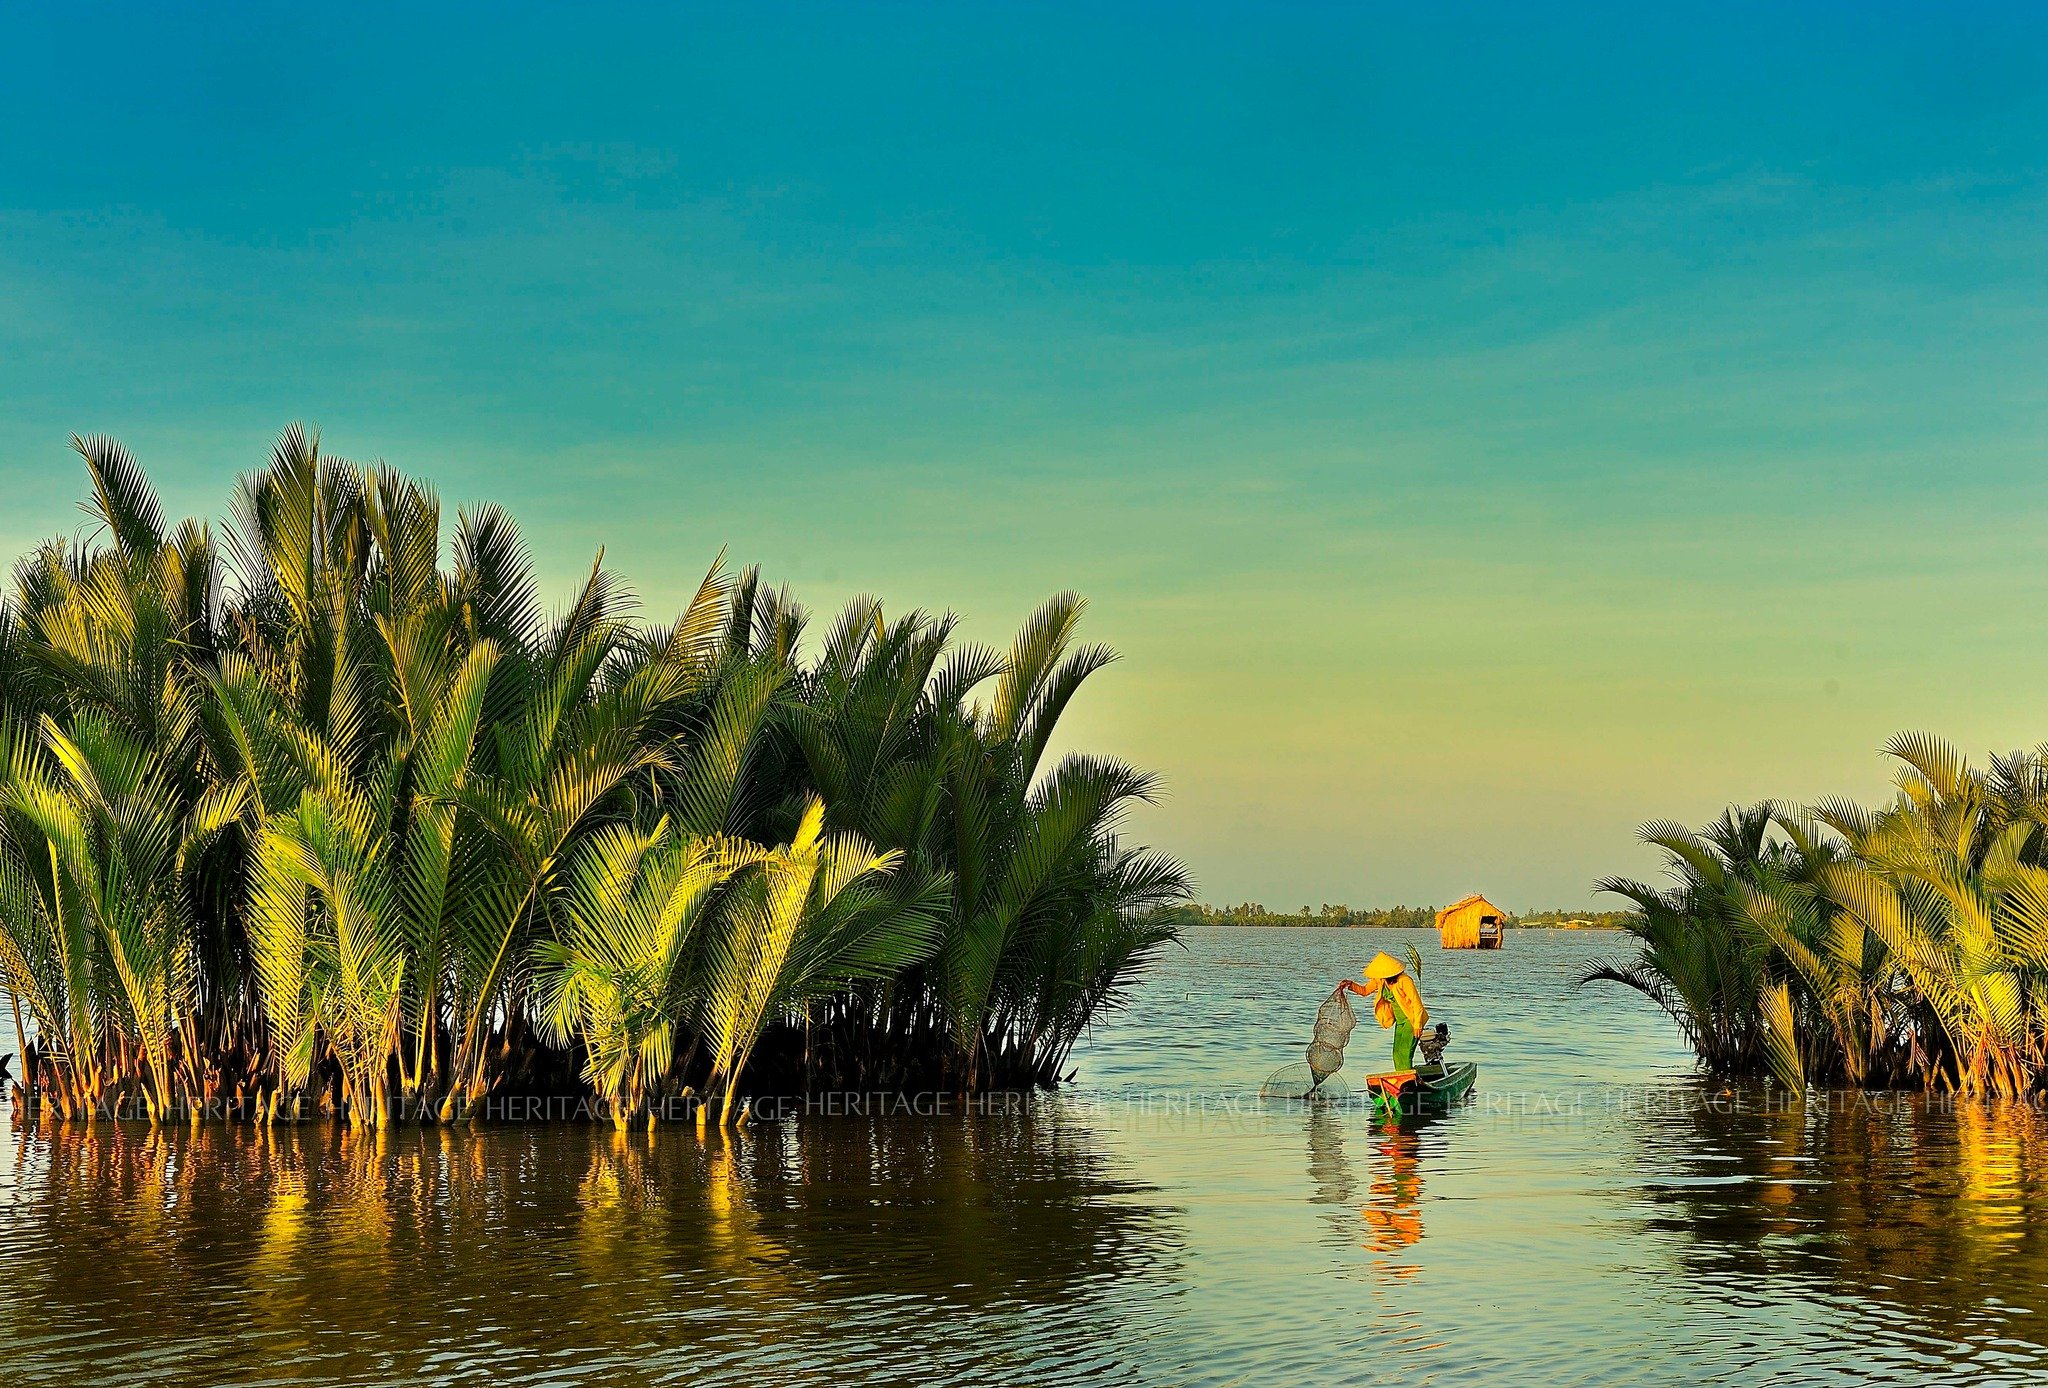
(1425, 1089)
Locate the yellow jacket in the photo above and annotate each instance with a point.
(1400, 991)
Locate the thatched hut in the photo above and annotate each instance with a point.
(1474, 923)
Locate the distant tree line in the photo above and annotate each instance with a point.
(1369, 918)
(1576, 920)
(1256, 913)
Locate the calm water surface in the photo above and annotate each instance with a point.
(1597, 1215)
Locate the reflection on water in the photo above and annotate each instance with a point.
(1928, 1216)
(330, 1254)
(1596, 1216)
(1394, 1213)
(1386, 1216)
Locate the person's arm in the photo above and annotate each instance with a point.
(1352, 986)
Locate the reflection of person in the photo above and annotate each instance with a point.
(1396, 1003)
(1393, 1214)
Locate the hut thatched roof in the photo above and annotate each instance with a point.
(1462, 903)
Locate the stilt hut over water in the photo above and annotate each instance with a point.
(1474, 923)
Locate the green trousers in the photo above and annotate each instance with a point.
(1404, 1042)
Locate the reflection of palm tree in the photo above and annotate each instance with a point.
(1890, 1201)
(281, 1225)
(314, 1251)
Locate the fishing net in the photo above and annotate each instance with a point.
(1334, 1023)
(1297, 1081)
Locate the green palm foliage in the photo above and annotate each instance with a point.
(814, 916)
(358, 890)
(1696, 961)
(97, 862)
(618, 981)
(1047, 916)
(106, 813)
(1905, 944)
(337, 817)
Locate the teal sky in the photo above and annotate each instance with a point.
(1480, 430)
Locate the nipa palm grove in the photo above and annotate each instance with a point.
(1900, 946)
(296, 818)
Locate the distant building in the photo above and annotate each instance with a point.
(1474, 923)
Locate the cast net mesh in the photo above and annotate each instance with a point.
(1334, 1023)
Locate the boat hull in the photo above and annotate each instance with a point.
(1425, 1089)
(1437, 1087)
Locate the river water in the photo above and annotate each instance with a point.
(1595, 1215)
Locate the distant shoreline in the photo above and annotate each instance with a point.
(1284, 924)
(1376, 918)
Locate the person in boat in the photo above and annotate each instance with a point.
(1396, 1003)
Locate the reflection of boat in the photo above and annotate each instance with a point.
(1393, 1213)
(1425, 1089)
